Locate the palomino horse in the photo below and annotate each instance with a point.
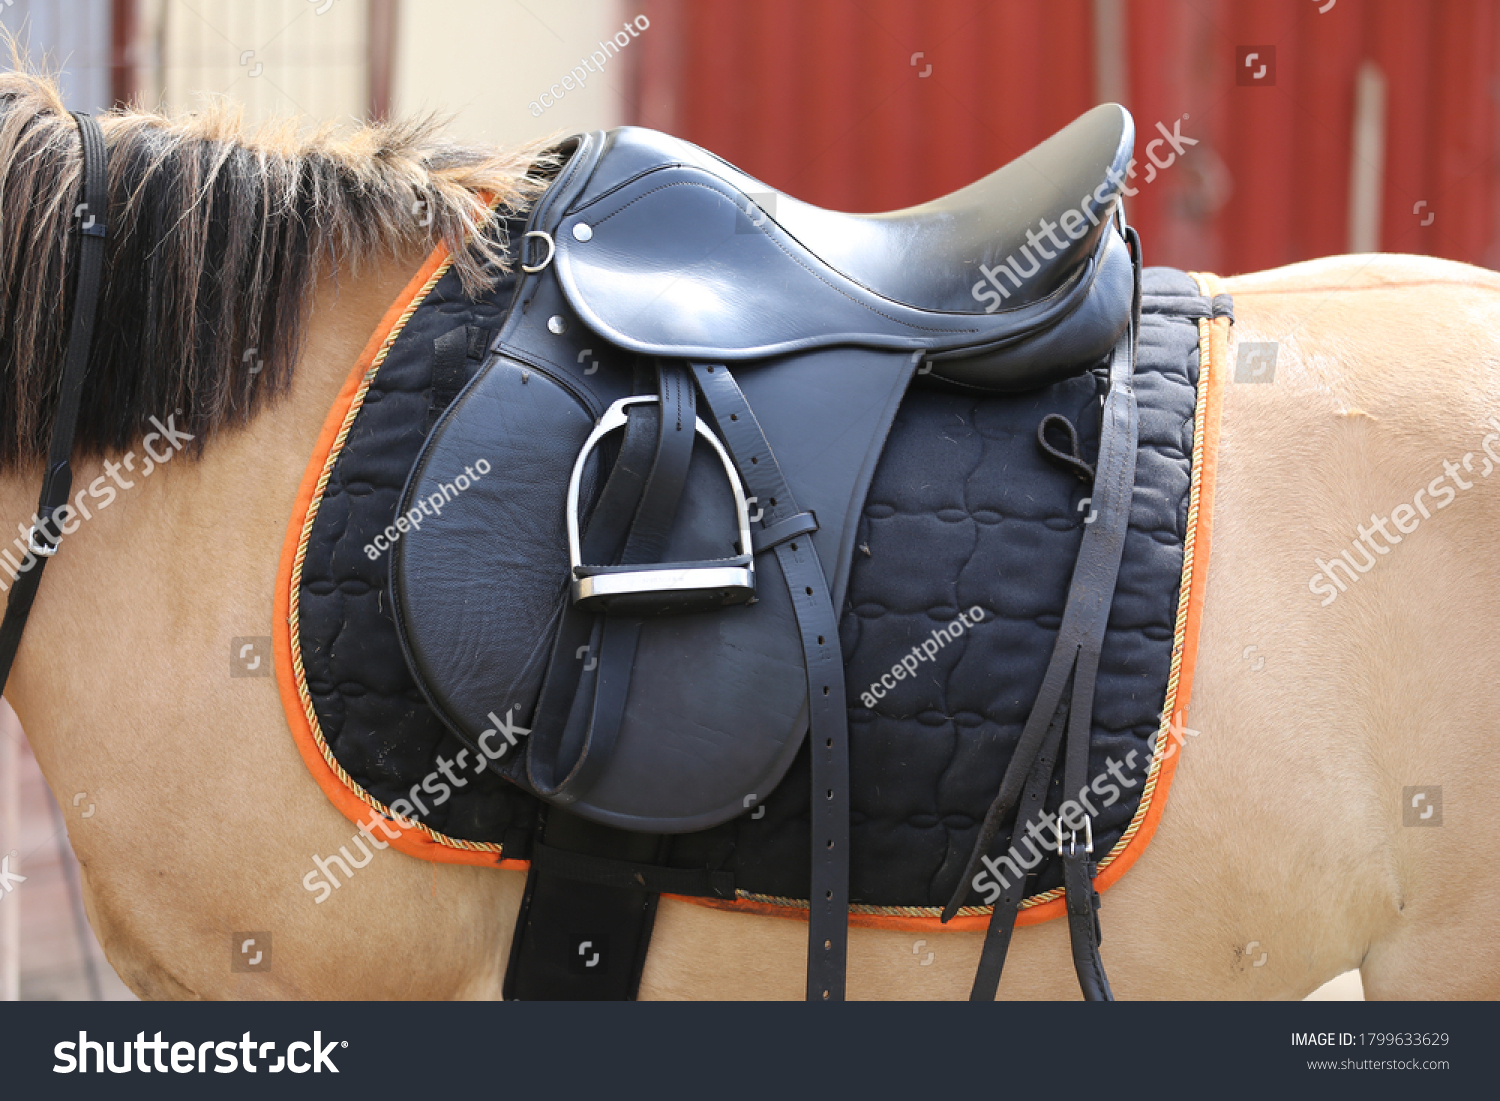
(245, 275)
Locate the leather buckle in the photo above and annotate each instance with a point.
(1088, 833)
(724, 581)
(39, 546)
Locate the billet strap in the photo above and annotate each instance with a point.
(1075, 664)
(633, 874)
(455, 354)
(90, 216)
(817, 623)
(1013, 889)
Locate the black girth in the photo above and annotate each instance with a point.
(89, 218)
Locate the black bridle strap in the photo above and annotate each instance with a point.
(89, 225)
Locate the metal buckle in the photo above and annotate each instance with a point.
(41, 550)
(1088, 833)
(736, 573)
(551, 250)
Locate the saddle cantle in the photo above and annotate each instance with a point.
(634, 617)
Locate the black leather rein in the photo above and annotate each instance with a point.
(89, 218)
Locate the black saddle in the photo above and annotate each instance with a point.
(648, 493)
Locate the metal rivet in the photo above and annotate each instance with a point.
(558, 324)
(583, 231)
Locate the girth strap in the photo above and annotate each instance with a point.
(1013, 888)
(581, 937)
(1075, 663)
(817, 623)
(91, 215)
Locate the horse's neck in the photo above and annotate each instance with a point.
(123, 682)
(184, 550)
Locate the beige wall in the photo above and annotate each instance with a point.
(488, 61)
(277, 57)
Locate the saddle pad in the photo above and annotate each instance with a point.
(965, 550)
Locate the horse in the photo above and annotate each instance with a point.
(246, 272)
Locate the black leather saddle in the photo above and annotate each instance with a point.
(629, 602)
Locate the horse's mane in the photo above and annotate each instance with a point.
(216, 237)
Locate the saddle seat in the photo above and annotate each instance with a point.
(667, 250)
(932, 256)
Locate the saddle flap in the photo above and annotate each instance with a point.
(716, 699)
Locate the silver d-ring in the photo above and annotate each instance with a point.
(551, 248)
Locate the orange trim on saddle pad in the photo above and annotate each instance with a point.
(356, 804)
(418, 840)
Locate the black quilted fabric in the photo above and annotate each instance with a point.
(373, 716)
(964, 512)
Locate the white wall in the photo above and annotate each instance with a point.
(487, 61)
(73, 34)
(277, 57)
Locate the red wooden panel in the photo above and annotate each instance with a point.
(1460, 121)
(1168, 57)
(825, 99)
(1328, 59)
(1399, 40)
